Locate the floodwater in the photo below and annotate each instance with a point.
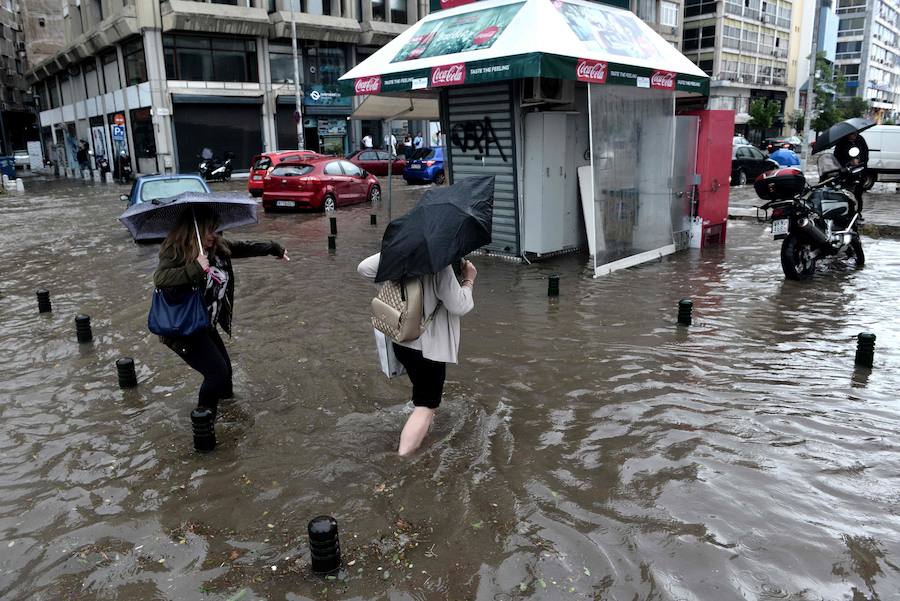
(587, 446)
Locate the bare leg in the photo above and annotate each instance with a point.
(415, 430)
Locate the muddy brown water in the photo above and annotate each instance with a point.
(587, 447)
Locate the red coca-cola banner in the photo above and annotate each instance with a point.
(591, 71)
(448, 75)
(663, 80)
(452, 3)
(367, 85)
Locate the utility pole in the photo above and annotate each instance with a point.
(301, 142)
(811, 88)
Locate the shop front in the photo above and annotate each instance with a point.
(222, 124)
(577, 124)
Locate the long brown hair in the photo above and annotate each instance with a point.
(182, 244)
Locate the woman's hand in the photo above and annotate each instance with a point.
(203, 260)
(469, 272)
(284, 257)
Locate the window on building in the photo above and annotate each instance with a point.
(331, 64)
(65, 89)
(378, 10)
(91, 78)
(731, 37)
(691, 39)
(853, 26)
(668, 14)
(196, 58)
(692, 8)
(646, 10)
(848, 49)
(135, 64)
(281, 63)
(142, 132)
(53, 93)
(706, 65)
(398, 11)
(110, 65)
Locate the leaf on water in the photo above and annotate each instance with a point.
(234, 555)
(477, 525)
(270, 525)
(386, 575)
(11, 543)
(330, 577)
(238, 595)
(351, 563)
(522, 586)
(587, 572)
(542, 583)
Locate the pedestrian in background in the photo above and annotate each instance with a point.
(425, 358)
(390, 144)
(183, 265)
(418, 141)
(367, 141)
(407, 147)
(785, 157)
(82, 156)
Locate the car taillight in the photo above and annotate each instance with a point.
(429, 163)
(779, 212)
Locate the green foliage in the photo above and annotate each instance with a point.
(797, 120)
(763, 113)
(854, 107)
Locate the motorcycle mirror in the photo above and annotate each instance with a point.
(123, 197)
(854, 152)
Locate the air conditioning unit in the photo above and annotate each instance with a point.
(547, 89)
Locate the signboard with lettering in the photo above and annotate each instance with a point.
(118, 132)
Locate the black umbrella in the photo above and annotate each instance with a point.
(447, 224)
(838, 131)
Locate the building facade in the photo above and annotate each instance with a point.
(163, 79)
(663, 16)
(867, 53)
(744, 46)
(16, 112)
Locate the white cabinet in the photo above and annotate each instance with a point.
(550, 196)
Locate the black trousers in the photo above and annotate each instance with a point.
(427, 376)
(858, 194)
(205, 352)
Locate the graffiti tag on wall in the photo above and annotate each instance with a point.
(476, 136)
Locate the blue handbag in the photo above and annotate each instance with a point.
(175, 313)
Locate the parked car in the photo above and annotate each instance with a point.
(376, 161)
(884, 154)
(429, 168)
(740, 140)
(22, 159)
(748, 162)
(791, 142)
(262, 164)
(319, 184)
(148, 188)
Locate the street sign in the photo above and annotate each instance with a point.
(119, 119)
(118, 132)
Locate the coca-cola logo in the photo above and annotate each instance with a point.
(448, 75)
(591, 71)
(486, 35)
(663, 80)
(453, 3)
(368, 85)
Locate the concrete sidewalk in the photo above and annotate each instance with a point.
(881, 208)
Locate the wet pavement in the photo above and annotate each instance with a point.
(587, 447)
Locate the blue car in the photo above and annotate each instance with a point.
(426, 169)
(148, 188)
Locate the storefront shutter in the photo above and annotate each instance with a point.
(480, 142)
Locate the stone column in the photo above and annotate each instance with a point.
(159, 100)
(367, 10)
(270, 138)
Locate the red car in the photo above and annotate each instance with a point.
(376, 161)
(262, 164)
(322, 183)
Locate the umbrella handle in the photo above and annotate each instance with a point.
(197, 230)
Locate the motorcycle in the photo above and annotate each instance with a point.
(812, 221)
(102, 164)
(125, 171)
(211, 168)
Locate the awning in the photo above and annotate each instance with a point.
(389, 107)
(509, 39)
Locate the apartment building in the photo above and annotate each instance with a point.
(16, 115)
(744, 46)
(164, 79)
(663, 16)
(867, 53)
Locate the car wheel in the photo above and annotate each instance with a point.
(439, 178)
(375, 194)
(329, 203)
(869, 179)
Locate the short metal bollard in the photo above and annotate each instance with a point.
(685, 309)
(332, 242)
(204, 429)
(553, 285)
(373, 219)
(865, 349)
(43, 297)
(333, 222)
(126, 372)
(83, 328)
(324, 545)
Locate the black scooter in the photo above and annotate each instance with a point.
(813, 222)
(214, 169)
(125, 171)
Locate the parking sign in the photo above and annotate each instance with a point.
(118, 132)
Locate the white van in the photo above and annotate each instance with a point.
(884, 154)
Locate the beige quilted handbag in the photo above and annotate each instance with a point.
(399, 310)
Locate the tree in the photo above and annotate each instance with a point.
(827, 83)
(797, 120)
(853, 107)
(763, 113)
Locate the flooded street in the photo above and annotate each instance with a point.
(587, 447)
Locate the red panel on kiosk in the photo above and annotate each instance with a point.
(714, 142)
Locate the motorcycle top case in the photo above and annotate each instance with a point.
(780, 184)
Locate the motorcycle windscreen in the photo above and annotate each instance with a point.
(632, 161)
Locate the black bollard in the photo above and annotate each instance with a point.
(553, 285)
(865, 349)
(332, 242)
(43, 297)
(83, 328)
(324, 546)
(333, 221)
(127, 375)
(204, 429)
(685, 308)
(373, 219)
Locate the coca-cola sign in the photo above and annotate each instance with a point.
(453, 3)
(367, 85)
(591, 71)
(486, 35)
(449, 75)
(663, 80)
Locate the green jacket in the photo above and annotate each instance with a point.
(174, 274)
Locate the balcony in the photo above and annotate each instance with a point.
(185, 15)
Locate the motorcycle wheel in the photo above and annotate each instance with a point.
(855, 252)
(796, 260)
